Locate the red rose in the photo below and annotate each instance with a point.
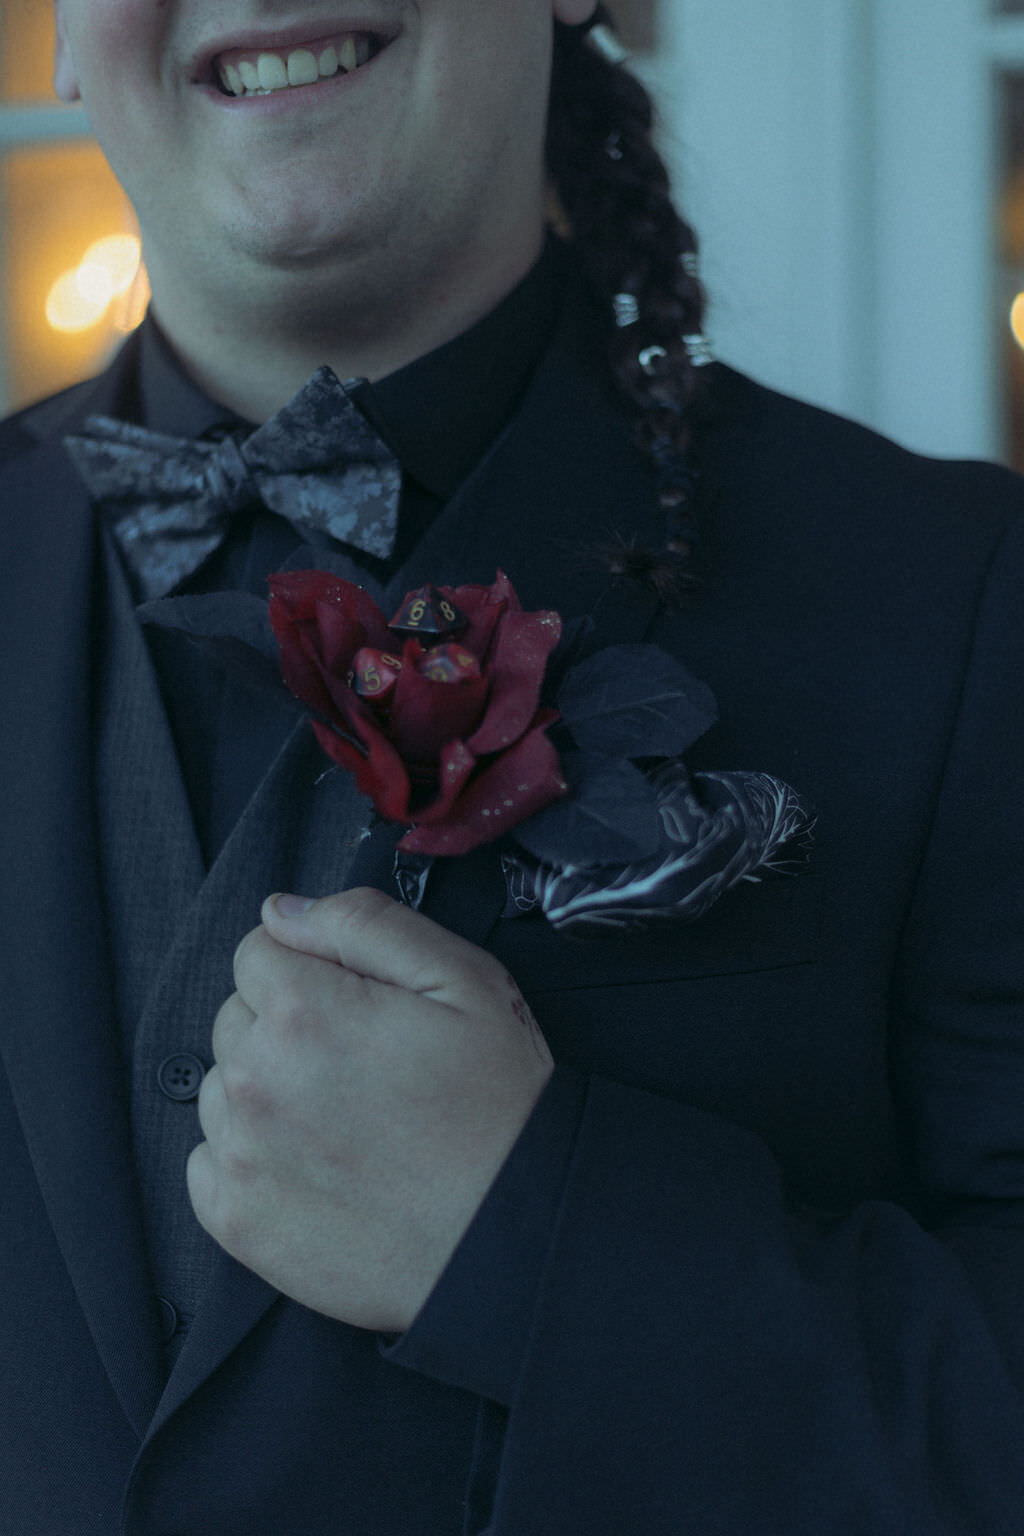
(454, 738)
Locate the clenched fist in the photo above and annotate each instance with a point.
(372, 1073)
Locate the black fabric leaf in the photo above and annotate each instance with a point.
(610, 816)
(635, 701)
(233, 630)
(576, 634)
(214, 615)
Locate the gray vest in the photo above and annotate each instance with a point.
(173, 927)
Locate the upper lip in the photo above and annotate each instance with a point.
(283, 38)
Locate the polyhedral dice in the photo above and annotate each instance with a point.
(450, 663)
(375, 673)
(428, 613)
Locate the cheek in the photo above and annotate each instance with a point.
(486, 83)
(117, 50)
(112, 45)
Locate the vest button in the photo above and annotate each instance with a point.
(179, 1076)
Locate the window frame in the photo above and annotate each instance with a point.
(27, 125)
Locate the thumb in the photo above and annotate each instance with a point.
(367, 932)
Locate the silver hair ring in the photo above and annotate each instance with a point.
(604, 41)
(649, 357)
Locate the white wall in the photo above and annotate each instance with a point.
(834, 157)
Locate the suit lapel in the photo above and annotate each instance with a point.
(59, 1045)
(561, 479)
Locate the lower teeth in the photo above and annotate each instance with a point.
(262, 91)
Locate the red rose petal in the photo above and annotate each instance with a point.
(381, 775)
(483, 607)
(320, 621)
(455, 766)
(298, 592)
(299, 664)
(516, 669)
(426, 715)
(514, 786)
(348, 709)
(345, 627)
(501, 590)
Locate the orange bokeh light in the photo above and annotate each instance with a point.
(110, 269)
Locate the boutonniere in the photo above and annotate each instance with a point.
(469, 721)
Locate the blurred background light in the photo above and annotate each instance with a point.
(109, 283)
(1017, 319)
(68, 309)
(117, 255)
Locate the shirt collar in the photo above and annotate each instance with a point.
(439, 414)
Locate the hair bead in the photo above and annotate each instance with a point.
(603, 39)
(699, 349)
(649, 359)
(627, 310)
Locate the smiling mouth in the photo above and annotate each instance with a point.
(242, 72)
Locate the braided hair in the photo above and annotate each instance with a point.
(639, 260)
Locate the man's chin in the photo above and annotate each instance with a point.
(295, 234)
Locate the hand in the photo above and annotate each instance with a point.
(372, 1073)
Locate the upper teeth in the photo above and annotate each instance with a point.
(245, 72)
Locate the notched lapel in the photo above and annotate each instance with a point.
(562, 478)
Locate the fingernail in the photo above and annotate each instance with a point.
(292, 906)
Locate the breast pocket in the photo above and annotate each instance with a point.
(714, 1013)
(754, 927)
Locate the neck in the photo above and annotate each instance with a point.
(252, 345)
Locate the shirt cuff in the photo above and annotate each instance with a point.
(472, 1331)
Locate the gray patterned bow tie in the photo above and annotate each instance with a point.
(318, 462)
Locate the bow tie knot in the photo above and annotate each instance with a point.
(169, 502)
(230, 481)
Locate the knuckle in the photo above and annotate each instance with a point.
(245, 1091)
(236, 1162)
(208, 1089)
(249, 949)
(230, 1230)
(220, 1033)
(295, 1020)
(489, 969)
(362, 908)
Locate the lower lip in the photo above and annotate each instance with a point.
(292, 98)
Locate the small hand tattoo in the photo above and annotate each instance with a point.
(521, 1009)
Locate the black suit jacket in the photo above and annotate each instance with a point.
(756, 1264)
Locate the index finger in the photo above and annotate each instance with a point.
(365, 931)
(269, 974)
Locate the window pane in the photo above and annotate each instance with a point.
(26, 50)
(1010, 274)
(67, 300)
